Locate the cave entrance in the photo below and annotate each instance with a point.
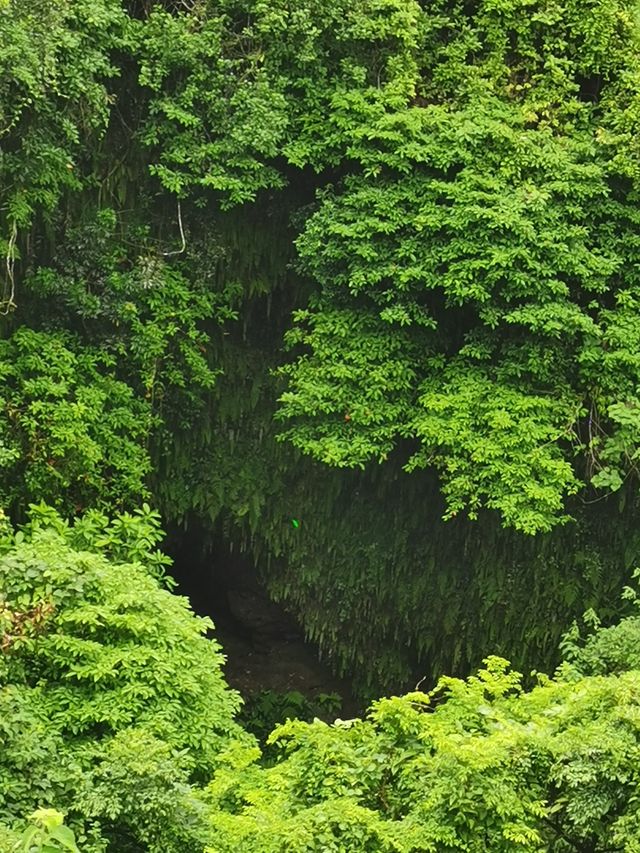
(265, 647)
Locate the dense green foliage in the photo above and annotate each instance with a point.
(69, 431)
(366, 265)
(476, 765)
(466, 253)
(115, 715)
(350, 288)
(111, 698)
(264, 710)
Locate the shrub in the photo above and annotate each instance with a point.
(113, 705)
(477, 765)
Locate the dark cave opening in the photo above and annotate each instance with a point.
(264, 646)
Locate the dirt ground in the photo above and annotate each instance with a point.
(279, 664)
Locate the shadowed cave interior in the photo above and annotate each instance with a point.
(264, 646)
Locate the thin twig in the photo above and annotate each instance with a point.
(8, 302)
(182, 237)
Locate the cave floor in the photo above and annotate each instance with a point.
(281, 665)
